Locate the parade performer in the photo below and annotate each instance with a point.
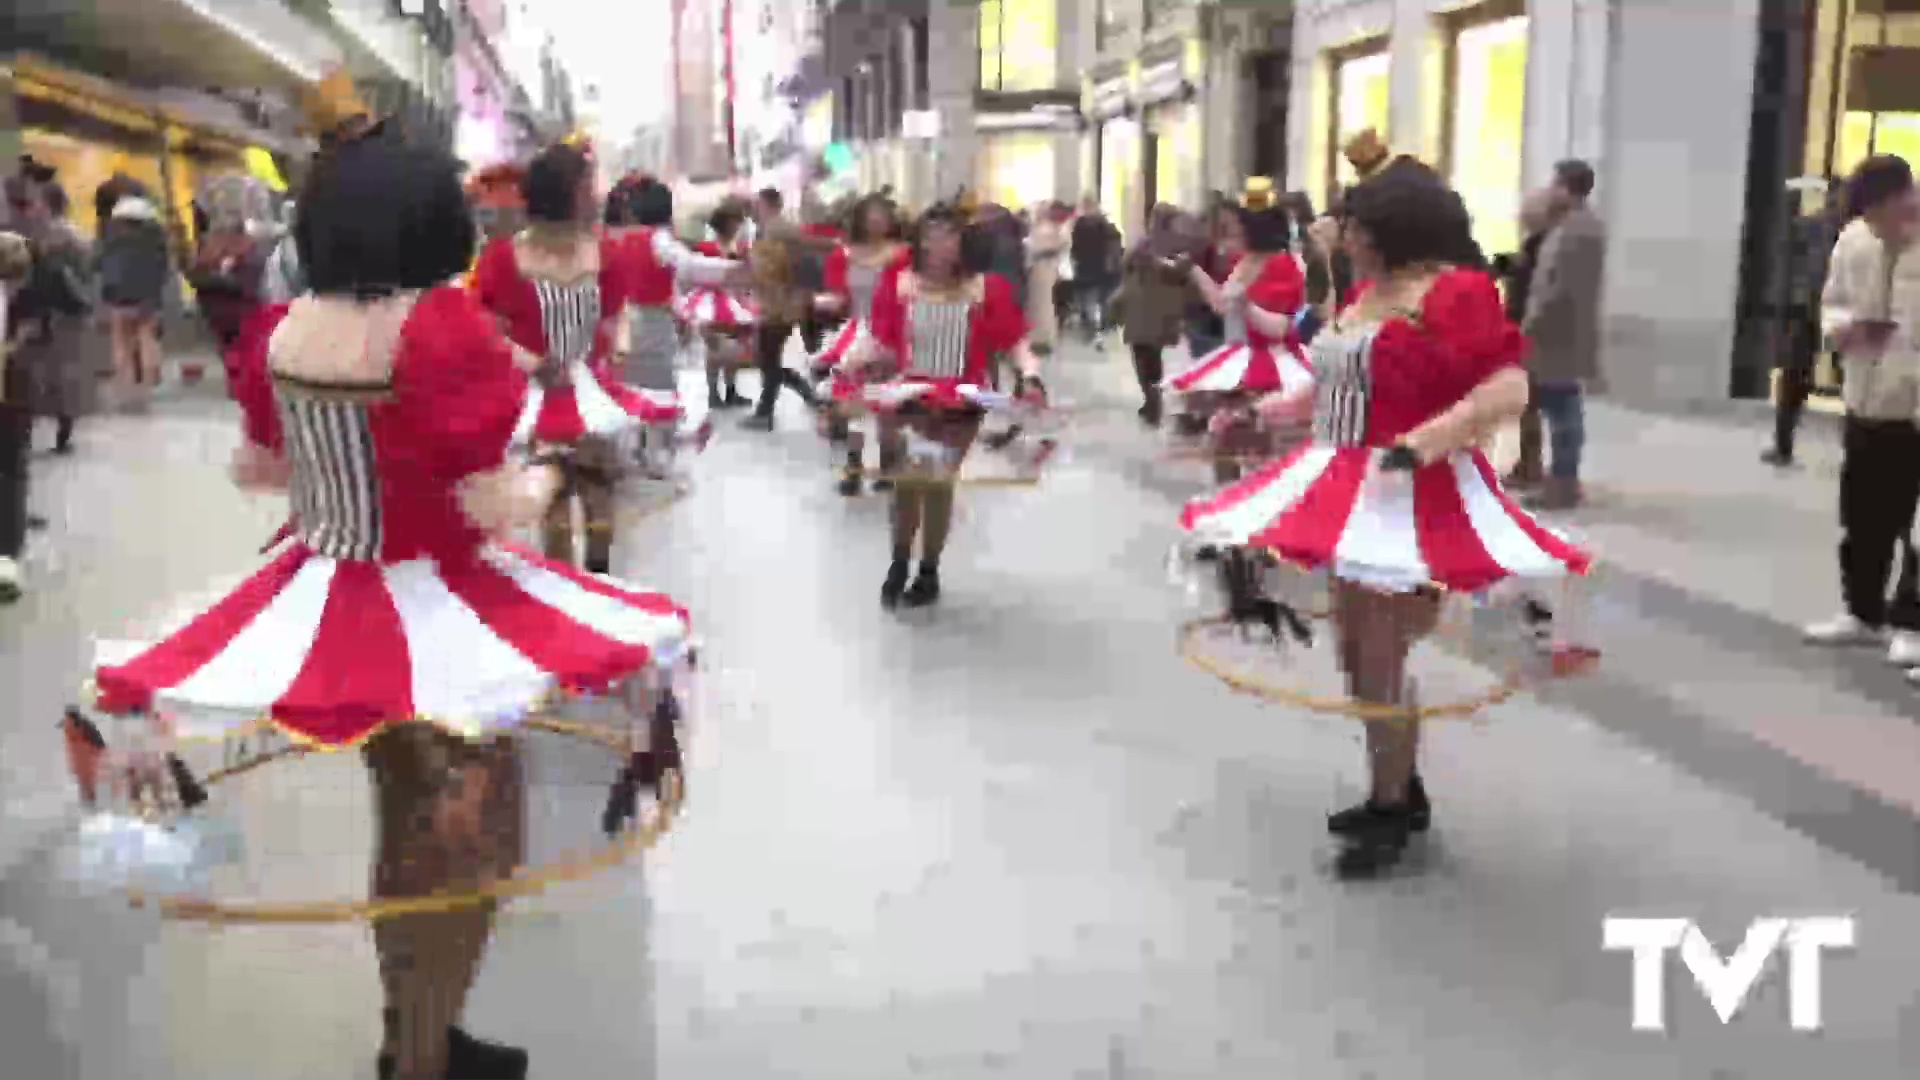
(1259, 301)
(1392, 495)
(496, 194)
(854, 272)
(940, 326)
(721, 316)
(652, 258)
(385, 403)
(555, 288)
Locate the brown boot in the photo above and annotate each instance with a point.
(1524, 475)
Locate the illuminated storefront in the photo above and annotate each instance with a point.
(1485, 118)
(1361, 79)
(1866, 68)
(1019, 43)
(88, 130)
(1016, 168)
(1120, 172)
(1170, 155)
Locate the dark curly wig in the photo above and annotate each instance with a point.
(1412, 216)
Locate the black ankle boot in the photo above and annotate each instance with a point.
(469, 1058)
(1376, 845)
(852, 481)
(925, 590)
(895, 585)
(1419, 812)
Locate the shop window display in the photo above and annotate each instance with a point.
(1488, 125)
(1016, 168)
(1361, 85)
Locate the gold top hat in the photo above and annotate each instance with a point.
(969, 203)
(1366, 152)
(334, 108)
(1258, 194)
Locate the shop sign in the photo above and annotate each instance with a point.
(1163, 82)
(1110, 97)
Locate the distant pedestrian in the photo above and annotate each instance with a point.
(1869, 309)
(1095, 252)
(135, 272)
(1563, 324)
(1813, 236)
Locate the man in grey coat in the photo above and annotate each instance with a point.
(1562, 323)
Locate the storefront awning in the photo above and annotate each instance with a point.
(224, 44)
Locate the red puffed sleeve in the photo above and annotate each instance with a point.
(889, 315)
(1003, 321)
(456, 386)
(1281, 289)
(1467, 324)
(494, 275)
(709, 248)
(252, 385)
(836, 272)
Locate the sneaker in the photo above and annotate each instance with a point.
(1844, 630)
(1903, 649)
(1777, 459)
(10, 589)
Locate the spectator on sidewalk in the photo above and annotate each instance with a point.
(1046, 242)
(136, 269)
(16, 420)
(777, 247)
(1516, 279)
(1155, 285)
(1870, 312)
(58, 347)
(1563, 325)
(1813, 239)
(1094, 246)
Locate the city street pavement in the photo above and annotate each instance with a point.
(1018, 836)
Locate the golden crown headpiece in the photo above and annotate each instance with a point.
(1258, 194)
(1366, 152)
(335, 109)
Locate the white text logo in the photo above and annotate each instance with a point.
(1727, 982)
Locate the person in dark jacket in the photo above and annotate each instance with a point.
(1094, 247)
(1515, 272)
(135, 270)
(1813, 238)
(57, 352)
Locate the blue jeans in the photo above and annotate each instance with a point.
(1564, 409)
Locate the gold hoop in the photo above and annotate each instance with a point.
(642, 836)
(1240, 682)
(923, 480)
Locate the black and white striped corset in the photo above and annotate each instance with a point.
(940, 332)
(862, 283)
(1343, 385)
(569, 314)
(335, 488)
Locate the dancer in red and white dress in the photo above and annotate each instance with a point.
(395, 620)
(940, 328)
(648, 338)
(1258, 301)
(854, 274)
(723, 317)
(556, 288)
(1392, 495)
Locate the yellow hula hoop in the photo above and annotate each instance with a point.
(1240, 682)
(642, 836)
(920, 479)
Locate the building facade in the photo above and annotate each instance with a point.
(1728, 101)
(1182, 98)
(702, 113)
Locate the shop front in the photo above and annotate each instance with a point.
(1113, 146)
(1483, 116)
(1021, 155)
(89, 130)
(1170, 136)
(1359, 96)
